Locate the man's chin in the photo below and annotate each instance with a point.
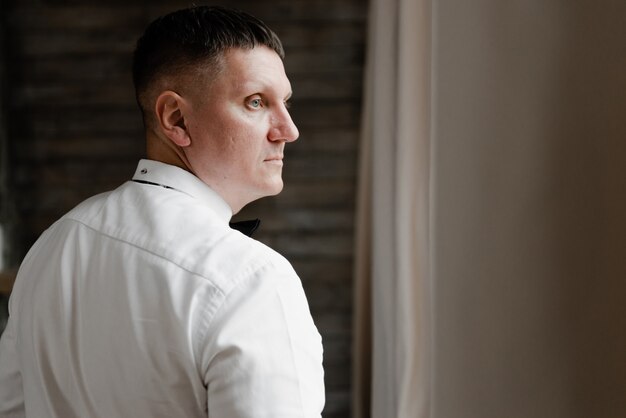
(270, 189)
(276, 188)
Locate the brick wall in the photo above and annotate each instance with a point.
(74, 131)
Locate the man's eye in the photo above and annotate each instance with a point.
(255, 103)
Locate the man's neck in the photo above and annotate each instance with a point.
(163, 150)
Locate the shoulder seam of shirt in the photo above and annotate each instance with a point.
(251, 273)
(146, 250)
(250, 270)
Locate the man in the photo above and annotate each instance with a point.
(143, 302)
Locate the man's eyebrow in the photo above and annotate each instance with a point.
(259, 87)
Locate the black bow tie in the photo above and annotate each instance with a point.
(246, 227)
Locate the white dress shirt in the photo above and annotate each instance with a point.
(142, 302)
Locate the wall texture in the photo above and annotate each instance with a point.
(74, 130)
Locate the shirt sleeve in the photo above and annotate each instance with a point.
(11, 390)
(264, 353)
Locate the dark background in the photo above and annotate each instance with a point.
(70, 129)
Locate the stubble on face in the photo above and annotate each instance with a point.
(237, 148)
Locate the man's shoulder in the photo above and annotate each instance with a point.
(236, 258)
(89, 205)
(179, 230)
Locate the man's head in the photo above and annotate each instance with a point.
(213, 91)
(191, 43)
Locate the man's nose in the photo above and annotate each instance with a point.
(283, 128)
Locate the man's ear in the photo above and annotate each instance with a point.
(170, 110)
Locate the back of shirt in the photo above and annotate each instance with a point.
(98, 325)
(115, 314)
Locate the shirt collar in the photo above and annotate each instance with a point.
(183, 181)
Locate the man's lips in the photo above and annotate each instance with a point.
(274, 159)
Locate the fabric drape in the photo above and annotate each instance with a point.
(492, 223)
(392, 314)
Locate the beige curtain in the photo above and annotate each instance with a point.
(393, 312)
(491, 251)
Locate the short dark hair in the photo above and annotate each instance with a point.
(191, 37)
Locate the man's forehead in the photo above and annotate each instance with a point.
(261, 84)
(258, 68)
